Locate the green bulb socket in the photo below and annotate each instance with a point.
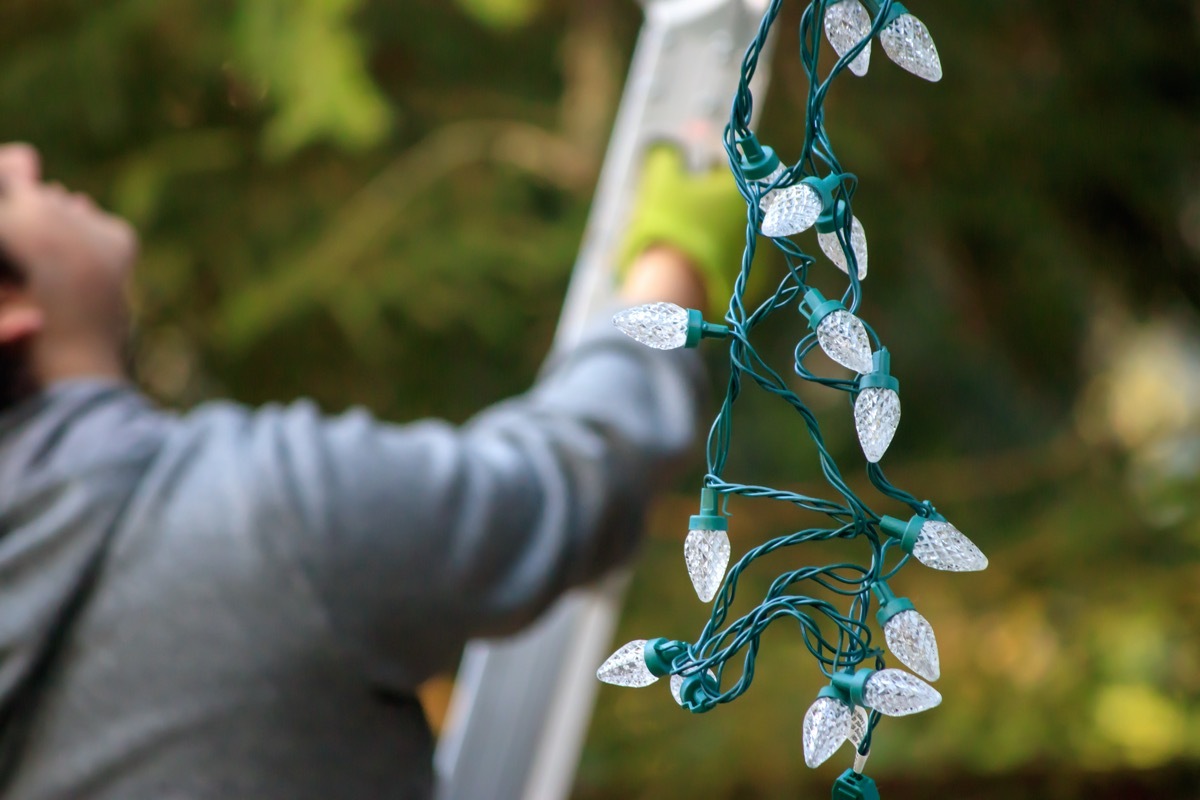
(835, 215)
(889, 604)
(758, 162)
(709, 519)
(818, 308)
(829, 690)
(907, 532)
(660, 654)
(698, 329)
(881, 376)
(852, 684)
(854, 786)
(894, 13)
(698, 692)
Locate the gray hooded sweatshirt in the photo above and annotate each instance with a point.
(239, 603)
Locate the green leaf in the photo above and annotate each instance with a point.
(502, 14)
(308, 62)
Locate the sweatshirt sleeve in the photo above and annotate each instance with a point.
(418, 537)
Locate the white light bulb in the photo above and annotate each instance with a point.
(907, 42)
(706, 554)
(768, 199)
(826, 726)
(677, 686)
(791, 210)
(859, 722)
(663, 326)
(627, 667)
(910, 638)
(775, 175)
(876, 417)
(895, 693)
(843, 337)
(846, 24)
(942, 546)
(832, 248)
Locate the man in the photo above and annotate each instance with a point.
(237, 603)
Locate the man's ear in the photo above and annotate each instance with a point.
(20, 319)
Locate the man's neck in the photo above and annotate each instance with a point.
(55, 362)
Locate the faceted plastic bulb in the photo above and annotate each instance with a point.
(775, 175)
(826, 726)
(942, 546)
(910, 638)
(662, 326)
(859, 722)
(832, 248)
(627, 667)
(907, 42)
(768, 199)
(706, 554)
(843, 337)
(895, 693)
(791, 210)
(677, 686)
(876, 417)
(846, 24)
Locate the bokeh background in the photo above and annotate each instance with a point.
(378, 202)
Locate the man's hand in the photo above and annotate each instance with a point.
(689, 229)
(663, 273)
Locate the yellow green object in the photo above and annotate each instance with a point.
(699, 214)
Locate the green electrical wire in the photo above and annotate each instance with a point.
(852, 647)
(839, 639)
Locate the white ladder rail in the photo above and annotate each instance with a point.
(521, 706)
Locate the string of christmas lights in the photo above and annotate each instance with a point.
(783, 202)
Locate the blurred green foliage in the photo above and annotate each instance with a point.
(308, 58)
(502, 13)
(378, 202)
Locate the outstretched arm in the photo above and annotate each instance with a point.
(417, 537)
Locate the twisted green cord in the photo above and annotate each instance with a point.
(851, 645)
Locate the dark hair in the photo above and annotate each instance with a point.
(16, 378)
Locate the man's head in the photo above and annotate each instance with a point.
(63, 304)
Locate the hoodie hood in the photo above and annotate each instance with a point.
(71, 459)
